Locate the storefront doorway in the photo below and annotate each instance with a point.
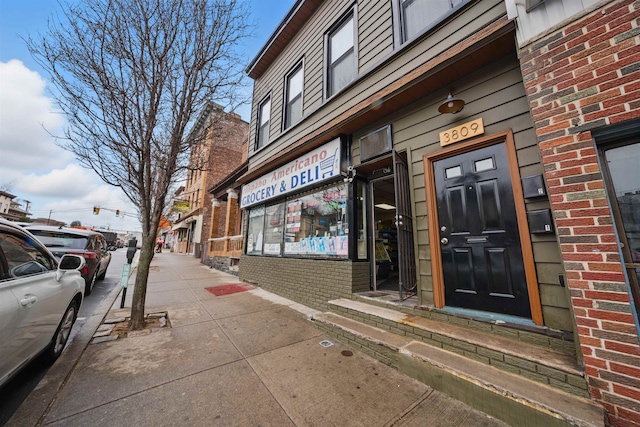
(394, 267)
(385, 235)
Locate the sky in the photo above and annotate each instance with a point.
(32, 166)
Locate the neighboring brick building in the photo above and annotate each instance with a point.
(582, 78)
(219, 149)
(225, 242)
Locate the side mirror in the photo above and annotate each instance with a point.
(71, 262)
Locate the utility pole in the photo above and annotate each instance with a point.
(49, 219)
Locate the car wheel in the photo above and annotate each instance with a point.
(61, 336)
(88, 287)
(101, 277)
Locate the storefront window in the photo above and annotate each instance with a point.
(316, 224)
(255, 232)
(273, 229)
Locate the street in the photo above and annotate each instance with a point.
(16, 390)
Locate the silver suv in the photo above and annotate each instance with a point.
(39, 299)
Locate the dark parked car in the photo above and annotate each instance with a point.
(39, 299)
(89, 244)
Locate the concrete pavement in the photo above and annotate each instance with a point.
(244, 359)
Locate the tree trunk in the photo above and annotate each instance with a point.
(140, 290)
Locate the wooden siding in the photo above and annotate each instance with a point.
(375, 32)
(309, 42)
(495, 93)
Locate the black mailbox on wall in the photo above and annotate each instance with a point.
(540, 221)
(533, 186)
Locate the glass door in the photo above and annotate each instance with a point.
(385, 235)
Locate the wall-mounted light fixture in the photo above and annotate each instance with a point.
(451, 105)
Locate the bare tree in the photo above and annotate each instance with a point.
(131, 77)
(7, 186)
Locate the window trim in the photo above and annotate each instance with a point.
(285, 103)
(351, 13)
(258, 146)
(398, 33)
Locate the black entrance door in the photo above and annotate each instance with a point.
(481, 254)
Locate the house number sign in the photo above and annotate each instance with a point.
(462, 132)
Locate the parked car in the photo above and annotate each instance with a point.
(89, 244)
(39, 299)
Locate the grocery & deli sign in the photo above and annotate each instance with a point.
(315, 166)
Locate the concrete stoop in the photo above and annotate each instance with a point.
(504, 395)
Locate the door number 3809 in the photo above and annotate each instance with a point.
(462, 132)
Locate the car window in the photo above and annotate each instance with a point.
(60, 239)
(23, 257)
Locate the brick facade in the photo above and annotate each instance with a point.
(224, 148)
(579, 78)
(227, 152)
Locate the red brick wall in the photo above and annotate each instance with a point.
(585, 76)
(228, 146)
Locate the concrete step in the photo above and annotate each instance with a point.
(503, 395)
(542, 364)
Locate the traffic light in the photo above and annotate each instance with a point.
(96, 210)
(117, 213)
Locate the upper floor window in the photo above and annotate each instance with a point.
(293, 97)
(531, 4)
(417, 15)
(264, 117)
(341, 63)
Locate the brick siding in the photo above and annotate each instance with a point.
(585, 76)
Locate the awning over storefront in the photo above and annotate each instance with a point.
(181, 224)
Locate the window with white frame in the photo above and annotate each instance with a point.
(293, 96)
(417, 15)
(341, 60)
(264, 118)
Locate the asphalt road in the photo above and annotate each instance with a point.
(16, 390)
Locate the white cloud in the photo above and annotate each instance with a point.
(27, 117)
(49, 177)
(72, 181)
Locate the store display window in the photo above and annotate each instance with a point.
(273, 229)
(255, 231)
(316, 224)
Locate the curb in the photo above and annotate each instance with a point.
(38, 403)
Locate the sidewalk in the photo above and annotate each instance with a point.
(244, 359)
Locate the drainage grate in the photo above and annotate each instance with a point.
(326, 343)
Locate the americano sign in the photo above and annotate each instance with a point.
(316, 166)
